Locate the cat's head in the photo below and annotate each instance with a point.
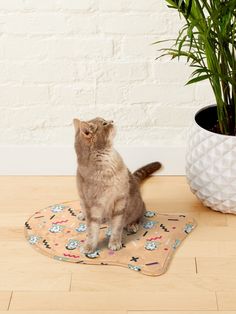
(97, 133)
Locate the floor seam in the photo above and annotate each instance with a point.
(196, 268)
(217, 304)
(10, 301)
(70, 282)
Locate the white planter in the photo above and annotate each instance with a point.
(211, 165)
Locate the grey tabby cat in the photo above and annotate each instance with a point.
(108, 191)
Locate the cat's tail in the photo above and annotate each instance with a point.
(146, 171)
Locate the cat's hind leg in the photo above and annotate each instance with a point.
(137, 210)
(132, 227)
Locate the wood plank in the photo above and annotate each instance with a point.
(179, 312)
(182, 265)
(169, 194)
(111, 301)
(64, 312)
(13, 219)
(36, 263)
(226, 300)
(191, 248)
(231, 220)
(209, 217)
(12, 233)
(116, 312)
(29, 260)
(20, 263)
(5, 297)
(31, 280)
(227, 248)
(33, 193)
(216, 266)
(168, 283)
(33, 261)
(213, 233)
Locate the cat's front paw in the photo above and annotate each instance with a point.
(115, 245)
(87, 248)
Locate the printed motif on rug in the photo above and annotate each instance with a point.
(58, 232)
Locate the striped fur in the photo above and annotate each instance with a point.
(145, 171)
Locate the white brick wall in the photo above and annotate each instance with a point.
(65, 58)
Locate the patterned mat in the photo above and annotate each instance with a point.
(58, 232)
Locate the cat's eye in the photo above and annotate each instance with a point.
(104, 123)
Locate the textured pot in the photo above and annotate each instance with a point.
(211, 163)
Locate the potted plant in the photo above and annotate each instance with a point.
(208, 42)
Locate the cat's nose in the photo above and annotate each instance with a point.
(111, 121)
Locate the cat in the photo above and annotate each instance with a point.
(108, 191)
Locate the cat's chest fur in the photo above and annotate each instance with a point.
(102, 179)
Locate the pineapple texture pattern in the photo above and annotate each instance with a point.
(211, 168)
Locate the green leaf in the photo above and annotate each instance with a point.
(162, 41)
(189, 8)
(198, 79)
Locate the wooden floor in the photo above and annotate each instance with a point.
(201, 277)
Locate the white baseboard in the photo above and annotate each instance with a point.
(54, 160)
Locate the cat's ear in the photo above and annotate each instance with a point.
(86, 130)
(76, 123)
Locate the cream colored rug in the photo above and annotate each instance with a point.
(58, 232)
